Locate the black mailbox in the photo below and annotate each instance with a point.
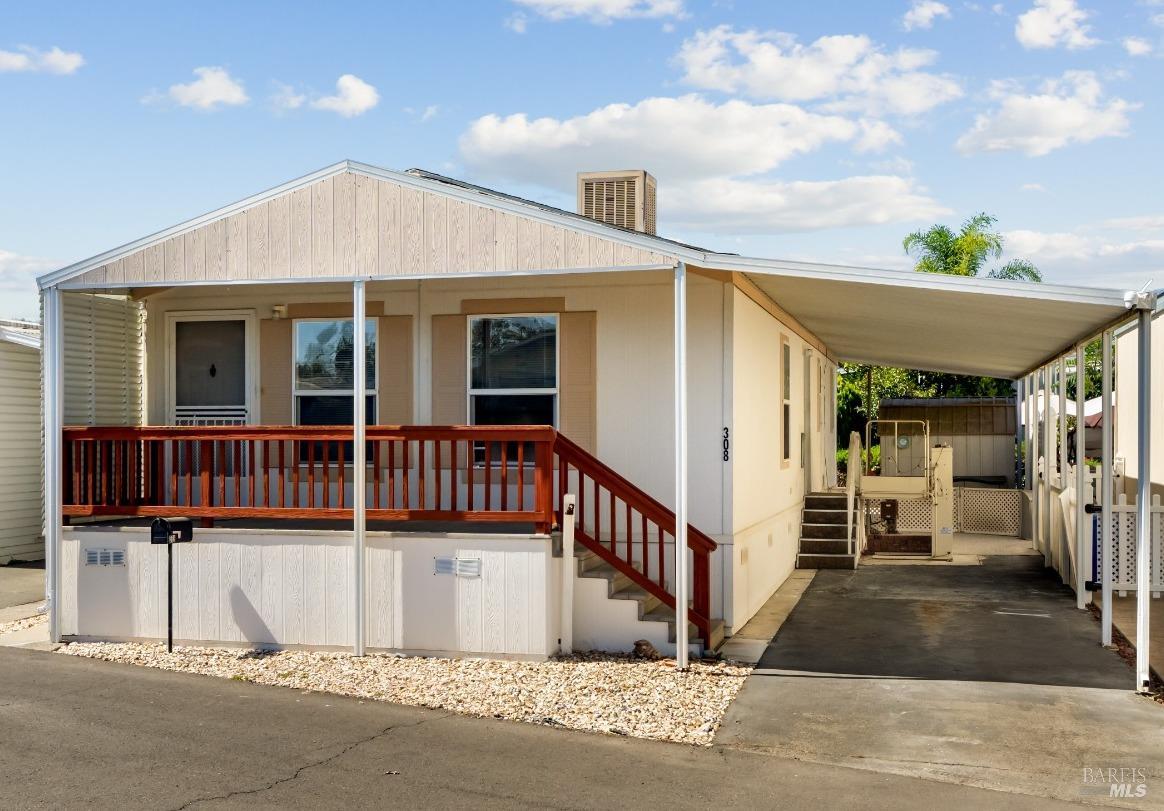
(171, 530)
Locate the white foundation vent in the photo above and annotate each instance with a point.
(104, 557)
(460, 567)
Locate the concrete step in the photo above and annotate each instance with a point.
(665, 614)
(824, 561)
(826, 501)
(836, 531)
(823, 546)
(647, 601)
(825, 516)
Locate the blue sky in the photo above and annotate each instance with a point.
(823, 130)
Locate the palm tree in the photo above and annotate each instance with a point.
(940, 250)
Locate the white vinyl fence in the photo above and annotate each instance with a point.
(1123, 550)
(982, 510)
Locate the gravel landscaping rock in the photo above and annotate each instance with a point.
(22, 624)
(614, 694)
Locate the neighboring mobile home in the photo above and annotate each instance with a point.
(514, 356)
(20, 481)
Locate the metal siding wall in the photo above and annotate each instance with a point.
(20, 447)
(347, 223)
(104, 353)
(271, 588)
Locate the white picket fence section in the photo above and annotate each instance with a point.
(1123, 549)
(981, 510)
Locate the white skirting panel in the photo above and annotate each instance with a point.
(294, 587)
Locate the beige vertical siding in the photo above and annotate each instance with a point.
(103, 356)
(21, 474)
(352, 224)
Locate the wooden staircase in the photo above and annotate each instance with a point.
(651, 607)
(823, 544)
(621, 533)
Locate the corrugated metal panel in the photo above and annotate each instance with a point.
(104, 351)
(20, 448)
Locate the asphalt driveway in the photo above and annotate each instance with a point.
(984, 675)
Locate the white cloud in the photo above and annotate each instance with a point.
(1067, 110)
(732, 206)
(214, 87)
(516, 23)
(849, 72)
(1054, 22)
(687, 137)
(1137, 46)
(1143, 222)
(430, 112)
(1089, 258)
(18, 284)
(604, 12)
(31, 60)
(287, 98)
(353, 97)
(713, 161)
(876, 136)
(1032, 187)
(923, 13)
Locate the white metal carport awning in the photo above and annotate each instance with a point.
(954, 324)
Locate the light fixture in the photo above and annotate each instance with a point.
(279, 311)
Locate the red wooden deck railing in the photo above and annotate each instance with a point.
(630, 530)
(415, 473)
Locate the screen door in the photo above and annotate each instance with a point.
(210, 372)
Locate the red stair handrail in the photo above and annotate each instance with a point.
(649, 510)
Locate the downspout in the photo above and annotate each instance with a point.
(1082, 547)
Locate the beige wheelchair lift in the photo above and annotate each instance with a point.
(917, 473)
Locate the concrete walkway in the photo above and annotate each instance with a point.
(21, 583)
(983, 675)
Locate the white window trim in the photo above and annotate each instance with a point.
(251, 354)
(471, 392)
(296, 392)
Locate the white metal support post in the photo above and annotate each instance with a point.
(1019, 428)
(1082, 518)
(359, 463)
(1061, 549)
(1044, 510)
(1145, 303)
(1107, 493)
(53, 405)
(681, 466)
(1032, 455)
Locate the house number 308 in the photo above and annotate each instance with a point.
(727, 444)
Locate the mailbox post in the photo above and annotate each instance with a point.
(170, 531)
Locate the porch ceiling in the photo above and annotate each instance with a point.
(937, 323)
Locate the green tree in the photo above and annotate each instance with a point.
(939, 249)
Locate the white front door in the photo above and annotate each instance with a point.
(211, 360)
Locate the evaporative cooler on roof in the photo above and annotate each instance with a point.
(622, 198)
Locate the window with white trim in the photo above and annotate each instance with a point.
(323, 383)
(513, 371)
(786, 392)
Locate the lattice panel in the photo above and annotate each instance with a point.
(1123, 553)
(988, 511)
(913, 515)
